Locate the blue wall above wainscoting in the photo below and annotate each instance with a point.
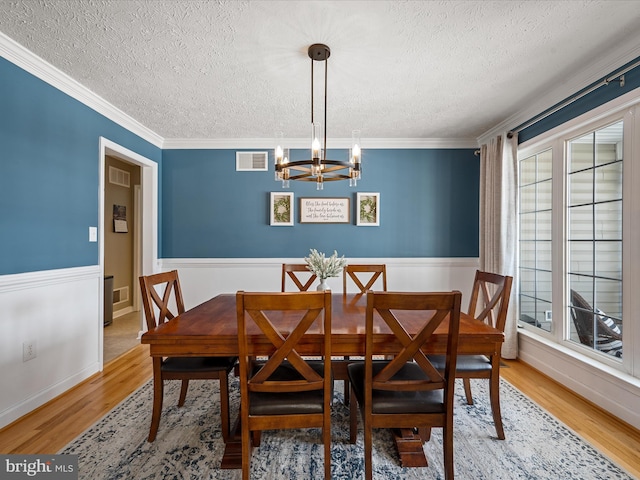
(429, 204)
(49, 173)
(599, 96)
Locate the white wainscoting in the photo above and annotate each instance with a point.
(202, 279)
(59, 310)
(612, 390)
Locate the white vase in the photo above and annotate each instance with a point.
(323, 285)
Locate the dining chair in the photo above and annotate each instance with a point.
(284, 390)
(406, 391)
(293, 271)
(364, 276)
(179, 368)
(489, 303)
(360, 274)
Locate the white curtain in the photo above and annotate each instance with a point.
(498, 221)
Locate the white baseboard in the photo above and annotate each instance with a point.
(123, 311)
(14, 412)
(613, 390)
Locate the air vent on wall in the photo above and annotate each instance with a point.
(251, 161)
(121, 295)
(119, 177)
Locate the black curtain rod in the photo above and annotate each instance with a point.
(618, 77)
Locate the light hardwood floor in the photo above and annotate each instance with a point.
(52, 426)
(121, 335)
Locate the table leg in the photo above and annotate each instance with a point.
(409, 445)
(158, 394)
(232, 457)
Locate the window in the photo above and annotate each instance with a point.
(535, 240)
(575, 236)
(594, 239)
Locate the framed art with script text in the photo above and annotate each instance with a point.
(324, 210)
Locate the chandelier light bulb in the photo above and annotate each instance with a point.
(315, 148)
(356, 153)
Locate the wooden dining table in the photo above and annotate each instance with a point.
(210, 329)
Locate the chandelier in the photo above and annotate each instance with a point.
(318, 168)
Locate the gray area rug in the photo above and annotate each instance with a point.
(189, 443)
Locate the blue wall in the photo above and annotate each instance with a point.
(599, 96)
(49, 177)
(49, 162)
(429, 202)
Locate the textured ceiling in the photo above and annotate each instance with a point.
(398, 69)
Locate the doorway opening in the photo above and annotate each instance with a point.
(128, 239)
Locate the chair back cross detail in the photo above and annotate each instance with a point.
(285, 350)
(410, 352)
(354, 272)
(490, 298)
(151, 298)
(294, 271)
(411, 346)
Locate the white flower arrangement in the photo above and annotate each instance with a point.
(325, 267)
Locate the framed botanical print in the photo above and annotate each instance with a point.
(368, 209)
(281, 209)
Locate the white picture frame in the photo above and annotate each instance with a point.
(281, 209)
(325, 210)
(368, 209)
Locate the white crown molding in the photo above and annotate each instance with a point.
(589, 75)
(23, 58)
(367, 143)
(30, 62)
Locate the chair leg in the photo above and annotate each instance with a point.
(347, 389)
(183, 392)
(467, 390)
(368, 451)
(494, 394)
(447, 445)
(353, 419)
(326, 439)
(224, 405)
(256, 436)
(158, 393)
(246, 449)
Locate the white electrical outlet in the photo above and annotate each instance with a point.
(29, 351)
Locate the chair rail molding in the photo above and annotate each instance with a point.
(203, 278)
